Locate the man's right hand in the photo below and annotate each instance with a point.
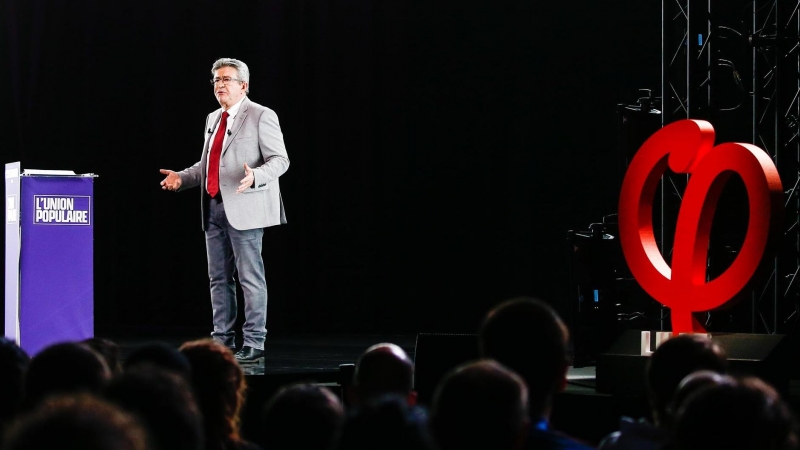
(172, 182)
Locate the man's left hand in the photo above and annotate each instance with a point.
(247, 181)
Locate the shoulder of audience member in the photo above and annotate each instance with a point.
(635, 434)
(553, 440)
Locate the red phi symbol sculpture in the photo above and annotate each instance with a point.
(687, 146)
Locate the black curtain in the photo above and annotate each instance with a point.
(439, 150)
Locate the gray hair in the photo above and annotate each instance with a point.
(241, 69)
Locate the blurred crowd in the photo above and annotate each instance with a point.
(82, 395)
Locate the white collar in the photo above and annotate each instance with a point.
(235, 108)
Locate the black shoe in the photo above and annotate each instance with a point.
(249, 354)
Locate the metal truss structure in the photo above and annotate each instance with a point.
(776, 108)
(736, 63)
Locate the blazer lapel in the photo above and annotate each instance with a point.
(237, 123)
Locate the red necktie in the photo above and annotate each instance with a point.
(213, 159)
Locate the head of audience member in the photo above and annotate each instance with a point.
(161, 356)
(692, 383)
(302, 415)
(165, 405)
(745, 415)
(387, 423)
(383, 369)
(480, 405)
(64, 368)
(78, 421)
(108, 350)
(13, 363)
(672, 362)
(527, 336)
(219, 386)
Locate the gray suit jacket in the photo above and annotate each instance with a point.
(255, 139)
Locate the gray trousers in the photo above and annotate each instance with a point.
(233, 253)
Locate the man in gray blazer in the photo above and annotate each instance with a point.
(238, 172)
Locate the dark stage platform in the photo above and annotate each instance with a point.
(312, 356)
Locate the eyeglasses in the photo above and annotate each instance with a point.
(225, 80)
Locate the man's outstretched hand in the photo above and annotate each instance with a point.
(247, 181)
(172, 182)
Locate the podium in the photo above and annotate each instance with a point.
(49, 280)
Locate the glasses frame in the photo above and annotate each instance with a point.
(215, 81)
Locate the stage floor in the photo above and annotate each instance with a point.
(303, 355)
(319, 356)
(316, 355)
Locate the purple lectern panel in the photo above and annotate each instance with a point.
(56, 261)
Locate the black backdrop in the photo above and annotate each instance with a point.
(439, 150)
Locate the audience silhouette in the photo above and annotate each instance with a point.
(748, 414)
(191, 398)
(160, 355)
(13, 364)
(672, 361)
(386, 423)
(527, 336)
(381, 370)
(480, 405)
(64, 368)
(78, 421)
(301, 415)
(164, 404)
(219, 387)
